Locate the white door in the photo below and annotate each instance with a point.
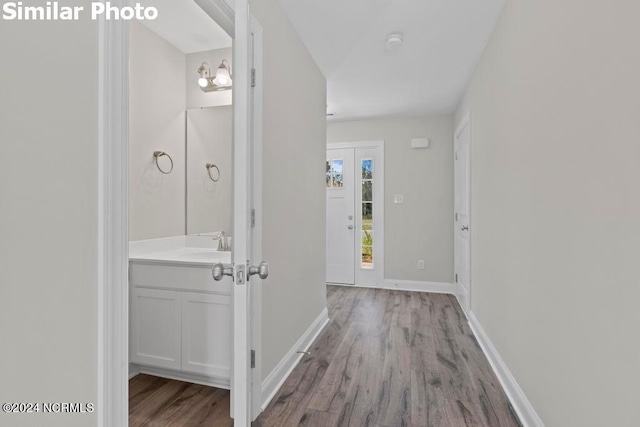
(462, 232)
(340, 181)
(355, 213)
(243, 202)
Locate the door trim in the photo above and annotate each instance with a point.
(461, 294)
(379, 195)
(112, 400)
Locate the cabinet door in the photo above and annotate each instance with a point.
(155, 328)
(206, 334)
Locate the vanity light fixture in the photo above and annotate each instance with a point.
(222, 80)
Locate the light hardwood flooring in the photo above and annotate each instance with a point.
(386, 359)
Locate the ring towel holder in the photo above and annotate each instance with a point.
(211, 166)
(157, 155)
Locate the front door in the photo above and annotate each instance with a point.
(340, 216)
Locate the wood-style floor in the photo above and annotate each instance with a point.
(386, 359)
(392, 358)
(159, 402)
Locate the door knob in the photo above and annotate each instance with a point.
(262, 270)
(464, 228)
(350, 217)
(350, 227)
(220, 270)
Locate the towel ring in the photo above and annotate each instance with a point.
(158, 154)
(210, 166)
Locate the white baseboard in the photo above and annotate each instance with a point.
(281, 372)
(135, 369)
(524, 409)
(416, 286)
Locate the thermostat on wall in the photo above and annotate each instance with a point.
(420, 143)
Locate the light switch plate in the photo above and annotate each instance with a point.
(398, 198)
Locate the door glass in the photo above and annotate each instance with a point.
(367, 213)
(328, 174)
(335, 175)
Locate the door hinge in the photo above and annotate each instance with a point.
(456, 216)
(456, 278)
(253, 218)
(253, 77)
(253, 358)
(456, 155)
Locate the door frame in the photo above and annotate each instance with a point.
(379, 194)
(463, 296)
(112, 299)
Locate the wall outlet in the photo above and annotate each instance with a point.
(420, 264)
(398, 198)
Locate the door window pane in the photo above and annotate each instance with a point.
(336, 165)
(367, 191)
(367, 211)
(367, 169)
(335, 177)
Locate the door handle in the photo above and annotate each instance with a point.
(262, 270)
(220, 270)
(464, 228)
(350, 227)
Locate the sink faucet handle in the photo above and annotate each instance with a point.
(221, 241)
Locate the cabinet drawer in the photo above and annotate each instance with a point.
(178, 277)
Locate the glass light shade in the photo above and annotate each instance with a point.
(222, 76)
(203, 82)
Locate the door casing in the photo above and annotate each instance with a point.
(112, 400)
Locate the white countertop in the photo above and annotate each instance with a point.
(187, 250)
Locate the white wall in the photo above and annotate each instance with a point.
(196, 98)
(48, 219)
(422, 227)
(293, 188)
(209, 140)
(555, 145)
(157, 104)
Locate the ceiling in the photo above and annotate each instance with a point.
(186, 26)
(428, 74)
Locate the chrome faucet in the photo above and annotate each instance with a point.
(223, 243)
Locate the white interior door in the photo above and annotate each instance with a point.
(341, 230)
(462, 232)
(242, 244)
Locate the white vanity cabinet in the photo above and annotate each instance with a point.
(180, 323)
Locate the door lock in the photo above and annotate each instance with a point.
(464, 228)
(350, 227)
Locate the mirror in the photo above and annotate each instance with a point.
(208, 158)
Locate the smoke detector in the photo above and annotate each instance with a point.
(393, 41)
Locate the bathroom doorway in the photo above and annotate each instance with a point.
(182, 314)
